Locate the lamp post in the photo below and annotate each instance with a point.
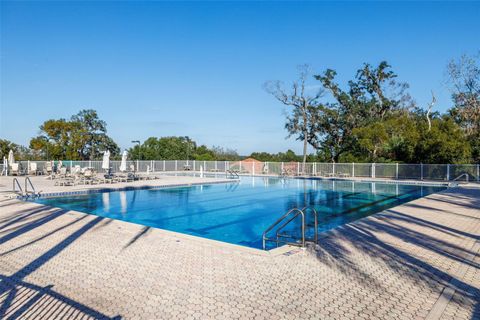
(138, 142)
(188, 146)
(47, 141)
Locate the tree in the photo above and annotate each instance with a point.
(444, 143)
(82, 137)
(372, 96)
(225, 154)
(302, 103)
(174, 148)
(464, 80)
(6, 146)
(373, 139)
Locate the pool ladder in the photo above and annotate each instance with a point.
(285, 220)
(231, 174)
(25, 193)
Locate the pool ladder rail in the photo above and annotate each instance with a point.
(284, 221)
(25, 193)
(231, 174)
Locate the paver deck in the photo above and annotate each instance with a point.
(415, 261)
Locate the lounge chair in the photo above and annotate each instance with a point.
(123, 177)
(47, 169)
(33, 169)
(15, 169)
(67, 181)
(89, 176)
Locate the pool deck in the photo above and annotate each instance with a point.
(420, 260)
(46, 186)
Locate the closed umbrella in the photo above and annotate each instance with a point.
(123, 164)
(106, 160)
(11, 158)
(5, 165)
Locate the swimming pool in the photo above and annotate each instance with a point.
(240, 212)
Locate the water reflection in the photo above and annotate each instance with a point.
(106, 201)
(123, 201)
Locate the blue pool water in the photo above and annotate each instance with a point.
(239, 212)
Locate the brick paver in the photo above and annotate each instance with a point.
(393, 265)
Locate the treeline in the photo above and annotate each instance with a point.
(178, 148)
(84, 137)
(374, 119)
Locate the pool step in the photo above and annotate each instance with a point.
(285, 220)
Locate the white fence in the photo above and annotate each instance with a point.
(439, 172)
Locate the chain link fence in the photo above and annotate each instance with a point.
(433, 172)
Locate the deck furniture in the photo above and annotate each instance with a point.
(15, 169)
(33, 169)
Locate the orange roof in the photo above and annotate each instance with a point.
(251, 160)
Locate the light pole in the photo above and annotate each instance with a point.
(47, 141)
(188, 146)
(138, 142)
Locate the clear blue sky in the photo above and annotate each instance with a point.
(197, 69)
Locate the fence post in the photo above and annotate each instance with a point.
(163, 165)
(333, 169)
(298, 168)
(396, 170)
(216, 166)
(421, 171)
(448, 172)
(282, 167)
(138, 165)
(314, 169)
(253, 168)
(176, 165)
(353, 169)
(89, 163)
(373, 170)
(226, 166)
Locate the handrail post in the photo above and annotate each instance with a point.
(303, 229)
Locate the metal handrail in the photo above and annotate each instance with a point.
(304, 209)
(34, 193)
(16, 183)
(233, 174)
(297, 212)
(315, 215)
(463, 174)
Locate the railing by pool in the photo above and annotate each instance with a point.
(435, 172)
